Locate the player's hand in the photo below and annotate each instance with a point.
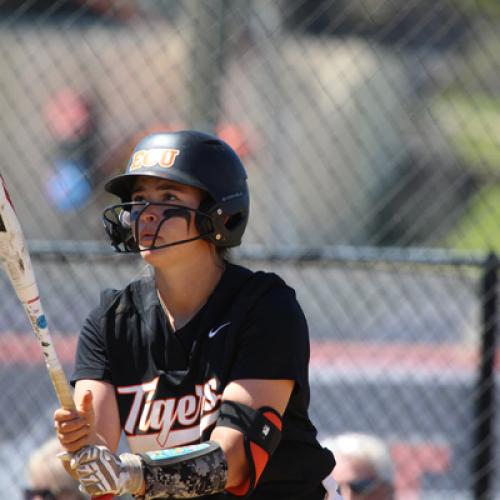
(101, 472)
(75, 429)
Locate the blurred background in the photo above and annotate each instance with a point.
(370, 130)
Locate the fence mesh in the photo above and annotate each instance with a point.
(362, 124)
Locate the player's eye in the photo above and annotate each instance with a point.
(137, 197)
(170, 197)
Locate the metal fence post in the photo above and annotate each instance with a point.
(483, 439)
(207, 62)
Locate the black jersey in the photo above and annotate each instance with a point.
(169, 384)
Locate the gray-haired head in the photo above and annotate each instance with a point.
(364, 447)
(46, 472)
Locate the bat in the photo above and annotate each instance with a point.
(17, 262)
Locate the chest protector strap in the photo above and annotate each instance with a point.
(261, 431)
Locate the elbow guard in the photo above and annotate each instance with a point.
(184, 472)
(261, 431)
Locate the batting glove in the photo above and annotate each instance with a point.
(101, 472)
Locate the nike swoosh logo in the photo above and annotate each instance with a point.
(213, 333)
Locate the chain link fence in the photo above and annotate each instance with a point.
(370, 130)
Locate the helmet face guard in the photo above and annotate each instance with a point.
(194, 159)
(121, 223)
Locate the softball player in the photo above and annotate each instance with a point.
(204, 364)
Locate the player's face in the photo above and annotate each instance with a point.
(358, 481)
(164, 225)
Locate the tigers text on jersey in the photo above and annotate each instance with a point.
(169, 384)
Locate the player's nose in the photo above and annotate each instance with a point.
(149, 214)
(149, 217)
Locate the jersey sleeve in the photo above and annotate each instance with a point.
(91, 353)
(274, 341)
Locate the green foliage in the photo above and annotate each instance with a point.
(472, 125)
(479, 228)
(480, 7)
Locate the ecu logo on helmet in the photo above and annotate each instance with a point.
(146, 158)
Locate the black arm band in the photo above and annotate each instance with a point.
(261, 431)
(185, 472)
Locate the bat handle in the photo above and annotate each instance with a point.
(62, 387)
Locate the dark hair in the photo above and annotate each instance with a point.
(223, 253)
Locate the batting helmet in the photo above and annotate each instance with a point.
(195, 159)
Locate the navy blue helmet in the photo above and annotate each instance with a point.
(195, 159)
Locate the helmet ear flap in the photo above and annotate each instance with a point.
(220, 221)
